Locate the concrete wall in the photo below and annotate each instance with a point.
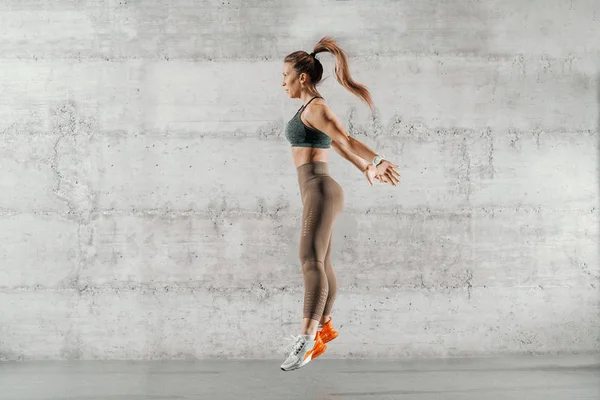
(149, 204)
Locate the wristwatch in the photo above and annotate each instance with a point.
(378, 159)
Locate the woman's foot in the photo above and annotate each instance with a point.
(327, 334)
(302, 351)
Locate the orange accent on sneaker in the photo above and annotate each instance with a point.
(327, 332)
(319, 347)
(308, 353)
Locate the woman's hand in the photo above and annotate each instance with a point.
(371, 173)
(387, 173)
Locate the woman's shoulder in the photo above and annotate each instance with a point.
(320, 115)
(318, 109)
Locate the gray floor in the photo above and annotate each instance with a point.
(536, 377)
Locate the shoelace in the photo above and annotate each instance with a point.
(295, 344)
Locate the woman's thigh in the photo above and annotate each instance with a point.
(321, 204)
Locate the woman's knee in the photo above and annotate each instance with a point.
(311, 265)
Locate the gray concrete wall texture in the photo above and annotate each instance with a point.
(150, 209)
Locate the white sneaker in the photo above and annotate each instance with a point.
(301, 352)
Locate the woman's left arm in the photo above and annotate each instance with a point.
(326, 121)
(346, 153)
(323, 119)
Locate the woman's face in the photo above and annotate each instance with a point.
(291, 82)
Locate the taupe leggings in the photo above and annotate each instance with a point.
(322, 200)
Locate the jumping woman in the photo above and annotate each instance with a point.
(311, 132)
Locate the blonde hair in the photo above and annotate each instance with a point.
(304, 62)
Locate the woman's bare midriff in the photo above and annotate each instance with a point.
(305, 155)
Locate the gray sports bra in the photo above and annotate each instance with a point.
(301, 135)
